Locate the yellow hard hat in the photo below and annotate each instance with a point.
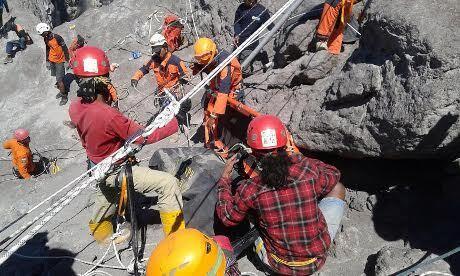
(187, 252)
(205, 50)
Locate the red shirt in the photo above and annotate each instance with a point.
(103, 129)
(288, 218)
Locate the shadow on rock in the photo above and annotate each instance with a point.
(411, 200)
(30, 259)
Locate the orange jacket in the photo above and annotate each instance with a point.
(113, 92)
(56, 49)
(21, 157)
(167, 72)
(172, 31)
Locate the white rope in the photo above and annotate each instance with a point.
(436, 273)
(193, 19)
(100, 261)
(99, 272)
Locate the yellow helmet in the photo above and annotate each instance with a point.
(205, 50)
(187, 252)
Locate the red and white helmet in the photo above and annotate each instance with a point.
(21, 134)
(90, 61)
(266, 132)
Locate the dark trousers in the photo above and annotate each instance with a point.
(1, 17)
(14, 46)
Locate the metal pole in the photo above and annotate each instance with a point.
(267, 38)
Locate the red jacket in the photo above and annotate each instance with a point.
(103, 129)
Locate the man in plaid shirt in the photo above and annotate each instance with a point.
(297, 202)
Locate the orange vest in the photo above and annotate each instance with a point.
(56, 53)
(21, 157)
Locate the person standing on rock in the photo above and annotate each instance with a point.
(226, 84)
(57, 55)
(249, 17)
(169, 70)
(329, 32)
(103, 130)
(14, 46)
(3, 3)
(23, 165)
(296, 202)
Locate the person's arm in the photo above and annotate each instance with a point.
(328, 176)
(113, 92)
(61, 43)
(47, 49)
(23, 166)
(223, 89)
(232, 209)
(144, 70)
(124, 127)
(7, 144)
(237, 22)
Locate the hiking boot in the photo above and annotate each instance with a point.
(123, 233)
(59, 95)
(64, 100)
(321, 45)
(8, 59)
(69, 124)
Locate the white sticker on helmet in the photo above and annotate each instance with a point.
(90, 65)
(269, 138)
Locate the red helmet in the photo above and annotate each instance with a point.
(90, 61)
(21, 134)
(266, 132)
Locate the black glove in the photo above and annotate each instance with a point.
(183, 117)
(183, 81)
(134, 82)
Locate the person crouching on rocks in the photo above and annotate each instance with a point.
(103, 130)
(297, 202)
(14, 46)
(23, 165)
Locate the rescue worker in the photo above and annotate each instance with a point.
(169, 70)
(14, 46)
(3, 3)
(57, 55)
(172, 31)
(226, 84)
(329, 32)
(23, 165)
(297, 202)
(190, 252)
(249, 17)
(103, 130)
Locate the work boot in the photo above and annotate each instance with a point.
(59, 95)
(8, 59)
(64, 100)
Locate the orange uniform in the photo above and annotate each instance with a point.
(172, 31)
(328, 28)
(167, 72)
(223, 86)
(56, 49)
(21, 157)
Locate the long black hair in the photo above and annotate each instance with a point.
(275, 169)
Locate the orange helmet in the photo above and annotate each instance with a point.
(205, 50)
(266, 132)
(90, 61)
(187, 252)
(21, 134)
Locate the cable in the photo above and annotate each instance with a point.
(193, 19)
(100, 261)
(435, 273)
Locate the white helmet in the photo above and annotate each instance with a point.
(157, 40)
(42, 27)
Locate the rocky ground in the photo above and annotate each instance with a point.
(390, 102)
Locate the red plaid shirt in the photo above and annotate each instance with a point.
(289, 219)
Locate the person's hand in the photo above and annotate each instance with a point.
(48, 65)
(211, 122)
(114, 66)
(228, 169)
(134, 83)
(236, 41)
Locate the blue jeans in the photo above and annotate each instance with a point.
(14, 46)
(332, 209)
